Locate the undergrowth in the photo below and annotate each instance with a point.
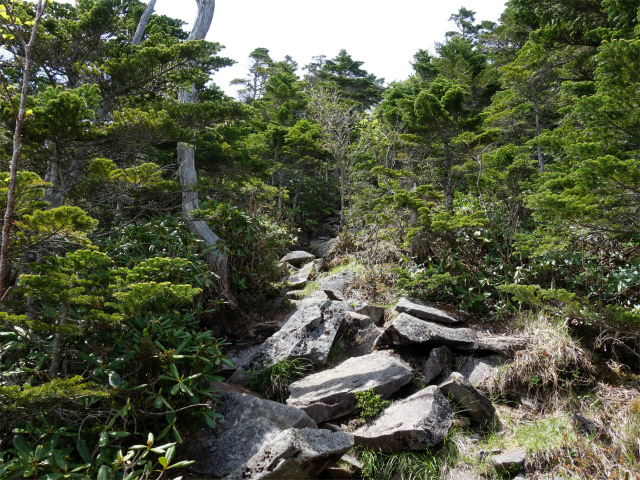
(273, 381)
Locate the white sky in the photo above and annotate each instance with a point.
(384, 35)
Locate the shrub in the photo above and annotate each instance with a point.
(370, 404)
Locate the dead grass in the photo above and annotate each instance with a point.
(552, 365)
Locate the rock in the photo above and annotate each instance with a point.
(297, 258)
(375, 313)
(330, 426)
(505, 346)
(322, 249)
(440, 360)
(415, 423)
(283, 267)
(249, 424)
(357, 465)
(335, 284)
(465, 396)
(308, 333)
(357, 335)
(300, 278)
(478, 370)
(295, 453)
(331, 393)
(509, 461)
(461, 474)
(336, 473)
(408, 330)
(585, 426)
(424, 311)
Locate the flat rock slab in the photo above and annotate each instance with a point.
(509, 461)
(478, 370)
(468, 399)
(415, 423)
(335, 285)
(357, 335)
(461, 474)
(408, 330)
(297, 258)
(301, 277)
(439, 361)
(295, 454)
(332, 393)
(505, 346)
(424, 311)
(309, 333)
(249, 424)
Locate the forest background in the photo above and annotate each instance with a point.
(501, 176)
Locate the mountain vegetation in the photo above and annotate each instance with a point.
(146, 211)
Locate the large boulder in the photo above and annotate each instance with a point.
(424, 311)
(357, 335)
(471, 401)
(332, 393)
(308, 334)
(478, 370)
(408, 330)
(297, 258)
(499, 344)
(301, 277)
(296, 453)
(439, 361)
(335, 285)
(249, 424)
(322, 249)
(374, 312)
(415, 423)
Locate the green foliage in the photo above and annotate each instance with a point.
(254, 244)
(273, 381)
(370, 404)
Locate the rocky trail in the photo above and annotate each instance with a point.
(424, 359)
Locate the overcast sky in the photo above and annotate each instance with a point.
(384, 35)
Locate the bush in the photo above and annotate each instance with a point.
(273, 381)
(370, 404)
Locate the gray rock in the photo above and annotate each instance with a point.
(408, 330)
(297, 258)
(308, 333)
(585, 426)
(335, 285)
(466, 397)
(295, 453)
(322, 249)
(503, 345)
(415, 423)
(249, 424)
(301, 277)
(478, 370)
(332, 393)
(440, 360)
(374, 312)
(509, 461)
(461, 474)
(424, 311)
(357, 335)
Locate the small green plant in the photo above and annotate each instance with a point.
(370, 404)
(273, 381)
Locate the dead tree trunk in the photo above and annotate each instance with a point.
(142, 24)
(218, 259)
(20, 115)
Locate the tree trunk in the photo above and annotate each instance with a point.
(142, 24)
(448, 189)
(17, 140)
(56, 350)
(541, 159)
(217, 258)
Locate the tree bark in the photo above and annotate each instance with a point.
(142, 24)
(17, 139)
(448, 189)
(541, 159)
(217, 258)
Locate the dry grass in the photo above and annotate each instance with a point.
(552, 365)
